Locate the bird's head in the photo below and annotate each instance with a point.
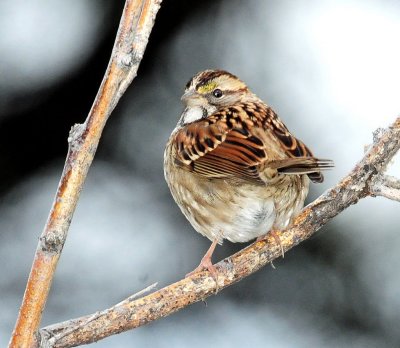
(213, 87)
(210, 90)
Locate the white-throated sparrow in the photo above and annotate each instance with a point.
(232, 166)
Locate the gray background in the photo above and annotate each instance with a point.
(329, 68)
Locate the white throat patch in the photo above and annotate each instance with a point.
(192, 114)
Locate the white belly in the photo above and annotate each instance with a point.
(219, 211)
(239, 212)
(252, 218)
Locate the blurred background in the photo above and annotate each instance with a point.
(330, 68)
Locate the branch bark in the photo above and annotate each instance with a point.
(130, 313)
(133, 33)
(386, 186)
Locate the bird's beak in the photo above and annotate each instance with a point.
(191, 98)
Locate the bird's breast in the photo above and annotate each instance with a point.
(232, 209)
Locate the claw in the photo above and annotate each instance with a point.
(277, 240)
(206, 264)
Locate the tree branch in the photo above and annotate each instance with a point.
(131, 314)
(386, 186)
(133, 33)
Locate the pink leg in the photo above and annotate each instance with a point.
(277, 240)
(206, 262)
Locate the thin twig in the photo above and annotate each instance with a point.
(133, 33)
(49, 339)
(131, 314)
(386, 186)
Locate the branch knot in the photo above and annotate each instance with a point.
(51, 243)
(75, 136)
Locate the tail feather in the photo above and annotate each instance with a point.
(303, 165)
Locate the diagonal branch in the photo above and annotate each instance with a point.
(131, 314)
(133, 33)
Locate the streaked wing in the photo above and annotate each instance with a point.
(238, 155)
(234, 143)
(296, 149)
(222, 146)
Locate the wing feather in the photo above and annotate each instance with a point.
(241, 142)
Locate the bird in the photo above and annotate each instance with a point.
(233, 167)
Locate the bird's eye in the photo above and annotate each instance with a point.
(217, 93)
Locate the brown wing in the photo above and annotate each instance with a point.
(235, 143)
(295, 148)
(221, 146)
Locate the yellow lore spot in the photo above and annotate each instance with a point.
(207, 88)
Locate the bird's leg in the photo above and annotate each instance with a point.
(275, 235)
(206, 262)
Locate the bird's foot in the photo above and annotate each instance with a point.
(206, 264)
(277, 240)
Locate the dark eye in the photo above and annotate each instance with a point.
(217, 93)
